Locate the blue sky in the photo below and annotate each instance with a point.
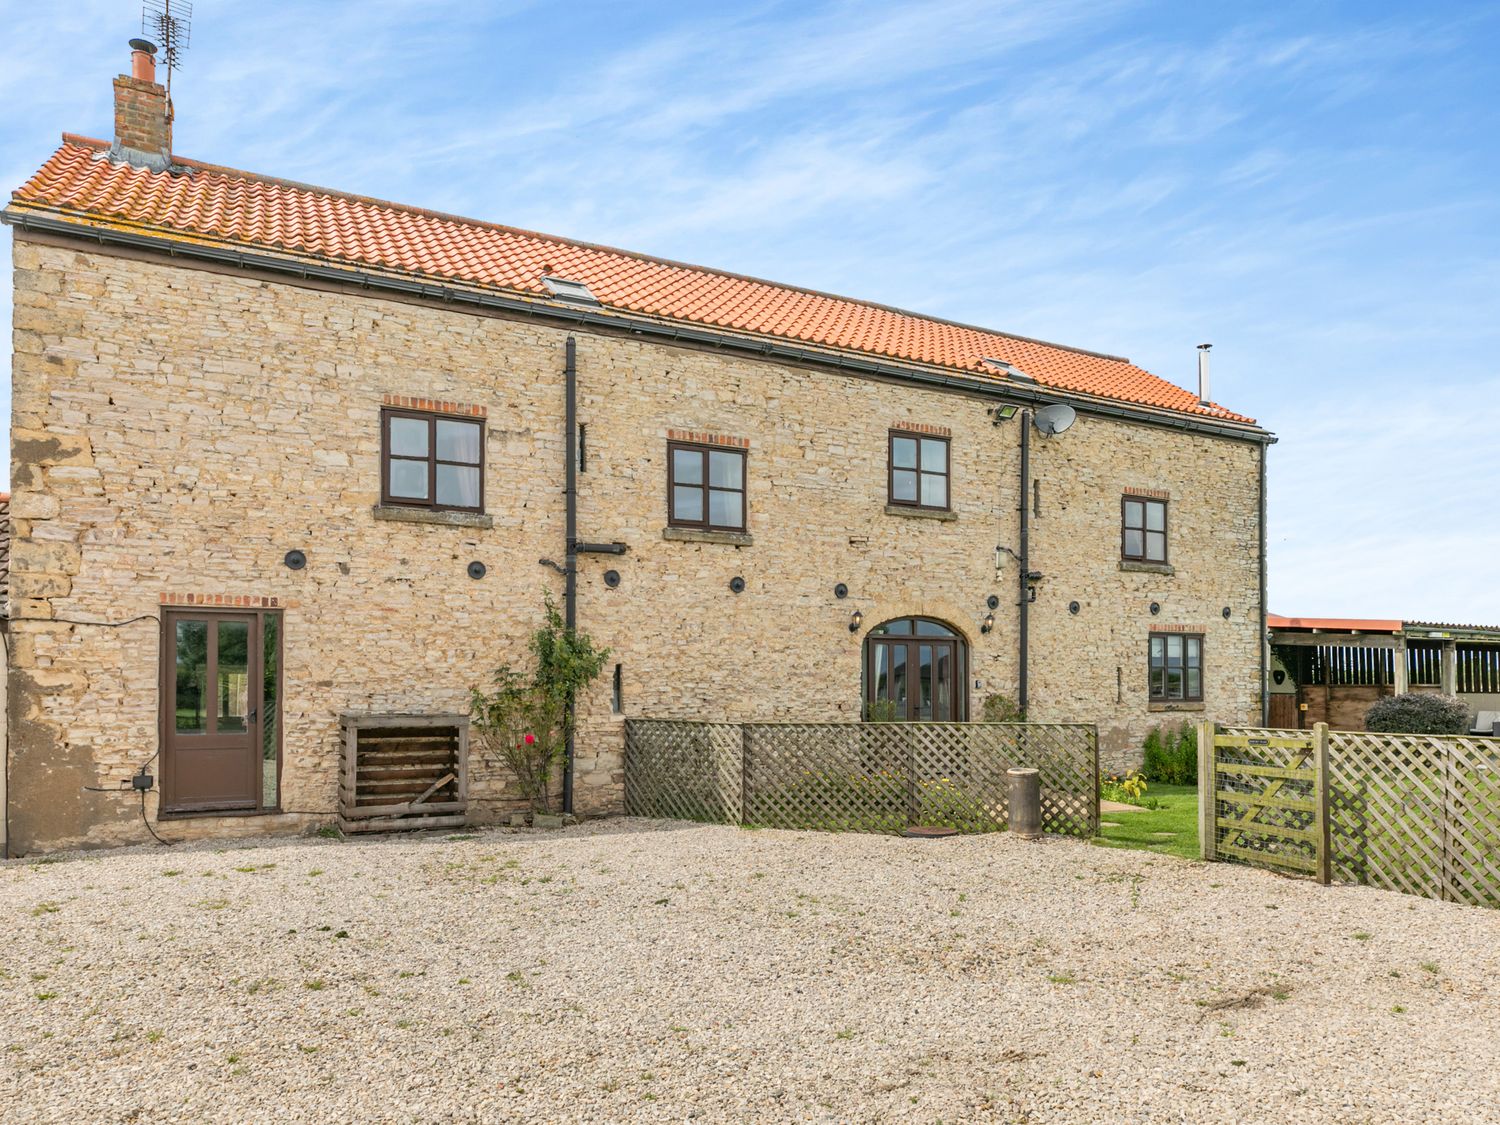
(1310, 186)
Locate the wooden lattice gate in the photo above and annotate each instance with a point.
(1413, 813)
(1261, 798)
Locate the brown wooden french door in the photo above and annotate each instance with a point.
(219, 701)
(914, 672)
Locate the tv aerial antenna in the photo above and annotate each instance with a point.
(169, 23)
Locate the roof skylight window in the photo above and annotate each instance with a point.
(566, 290)
(1009, 369)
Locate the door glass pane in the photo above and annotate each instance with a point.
(726, 509)
(881, 674)
(1156, 517)
(232, 691)
(1133, 517)
(458, 486)
(687, 503)
(1134, 546)
(409, 479)
(934, 456)
(409, 437)
(933, 629)
(192, 671)
(900, 628)
(924, 682)
(687, 466)
(898, 679)
(904, 485)
(942, 684)
(1156, 545)
(904, 453)
(934, 491)
(458, 441)
(270, 710)
(726, 470)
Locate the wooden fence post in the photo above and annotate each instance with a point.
(1321, 789)
(744, 774)
(1207, 802)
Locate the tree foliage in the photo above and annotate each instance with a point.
(525, 720)
(1170, 755)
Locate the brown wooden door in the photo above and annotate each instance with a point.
(212, 703)
(1285, 714)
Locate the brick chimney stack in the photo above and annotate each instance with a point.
(143, 123)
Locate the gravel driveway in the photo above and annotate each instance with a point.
(640, 970)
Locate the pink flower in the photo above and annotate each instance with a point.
(529, 739)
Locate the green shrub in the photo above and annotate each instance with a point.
(1170, 755)
(525, 721)
(1418, 713)
(1001, 709)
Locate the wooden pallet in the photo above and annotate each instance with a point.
(404, 773)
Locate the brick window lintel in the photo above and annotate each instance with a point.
(698, 437)
(225, 601)
(434, 405)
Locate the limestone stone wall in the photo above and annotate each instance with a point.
(177, 431)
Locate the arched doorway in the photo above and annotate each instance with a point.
(916, 671)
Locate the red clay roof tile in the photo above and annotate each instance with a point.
(243, 209)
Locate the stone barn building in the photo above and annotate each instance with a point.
(282, 454)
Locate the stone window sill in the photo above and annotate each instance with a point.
(399, 514)
(942, 514)
(1147, 567)
(694, 535)
(1176, 707)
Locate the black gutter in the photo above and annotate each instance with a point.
(587, 318)
(1023, 566)
(570, 530)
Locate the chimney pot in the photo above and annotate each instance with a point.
(1203, 350)
(143, 60)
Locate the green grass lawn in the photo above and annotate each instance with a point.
(1147, 830)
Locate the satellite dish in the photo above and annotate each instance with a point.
(1055, 419)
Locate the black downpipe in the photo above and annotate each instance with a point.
(570, 520)
(1024, 565)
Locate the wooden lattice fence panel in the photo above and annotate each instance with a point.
(866, 777)
(837, 777)
(1417, 813)
(1267, 810)
(683, 770)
